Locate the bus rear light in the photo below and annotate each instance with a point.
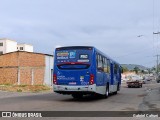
(91, 81)
(55, 79)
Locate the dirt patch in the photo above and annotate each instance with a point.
(24, 88)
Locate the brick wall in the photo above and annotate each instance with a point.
(31, 68)
(8, 75)
(31, 59)
(25, 76)
(31, 76)
(39, 76)
(8, 60)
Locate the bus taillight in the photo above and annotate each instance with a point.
(55, 79)
(91, 81)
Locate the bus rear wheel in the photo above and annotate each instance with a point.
(117, 89)
(107, 92)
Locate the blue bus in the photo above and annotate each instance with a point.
(82, 70)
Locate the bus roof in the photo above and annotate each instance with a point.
(74, 47)
(85, 47)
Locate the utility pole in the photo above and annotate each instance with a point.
(157, 61)
(157, 33)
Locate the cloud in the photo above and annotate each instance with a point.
(111, 26)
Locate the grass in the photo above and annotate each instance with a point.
(24, 88)
(6, 84)
(19, 90)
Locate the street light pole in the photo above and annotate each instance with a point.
(156, 32)
(157, 55)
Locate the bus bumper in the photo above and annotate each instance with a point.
(63, 89)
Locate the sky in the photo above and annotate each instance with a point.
(122, 29)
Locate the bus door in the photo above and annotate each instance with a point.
(106, 68)
(116, 74)
(112, 74)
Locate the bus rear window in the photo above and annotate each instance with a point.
(73, 66)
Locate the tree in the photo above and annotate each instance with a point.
(136, 69)
(125, 69)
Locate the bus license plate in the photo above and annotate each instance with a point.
(72, 83)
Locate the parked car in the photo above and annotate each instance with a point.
(148, 78)
(135, 84)
(143, 81)
(158, 79)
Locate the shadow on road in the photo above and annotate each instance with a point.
(86, 98)
(51, 97)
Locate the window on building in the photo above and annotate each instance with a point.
(1, 52)
(1, 44)
(21, 48)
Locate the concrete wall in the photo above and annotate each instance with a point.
(26, 47)
(48, 78)
(11, 46)
(2, 48)
(8, 46)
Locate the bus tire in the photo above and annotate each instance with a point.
(117, 89)
(77, 96)
(107, 92)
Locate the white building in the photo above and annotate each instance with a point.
(25, 47)
(7, 45)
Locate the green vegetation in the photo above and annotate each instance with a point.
(136, 69)
(125, 69)
(19, 90)
(25, 88)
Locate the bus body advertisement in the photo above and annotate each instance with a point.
(81, 70)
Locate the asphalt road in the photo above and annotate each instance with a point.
(146, 98)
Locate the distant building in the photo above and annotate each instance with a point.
(7, 46)
(25, 47)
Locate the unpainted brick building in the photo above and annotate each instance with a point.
(26, 68)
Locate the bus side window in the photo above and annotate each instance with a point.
(97, 60)
(115, 68)
(105, 65)
(100, 63)
(108, 65)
